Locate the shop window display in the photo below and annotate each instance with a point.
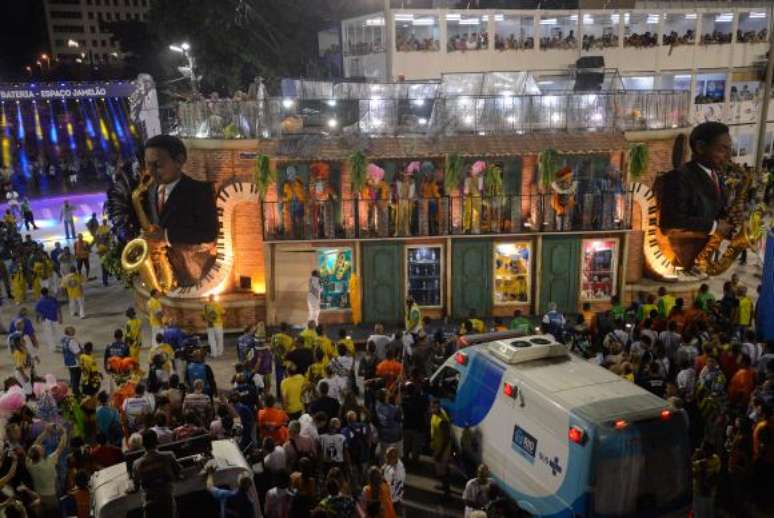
(335, 266)
(425, 278)
(512, 267)
(598, 269)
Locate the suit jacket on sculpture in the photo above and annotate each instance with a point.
(189, 214)
(689, 200)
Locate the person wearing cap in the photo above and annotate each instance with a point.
(182, 211)
(563, 198)
(293, 200)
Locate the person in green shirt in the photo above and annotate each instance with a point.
(520, 323)
(665, 303)
(644, 310)
(617, 311)
(413, 316)
(705, 299)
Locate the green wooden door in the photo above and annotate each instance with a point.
(382, 273)
(559, 275)
(471, 277)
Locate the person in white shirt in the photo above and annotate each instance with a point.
(336, 384)
(136, 407)
(476, 492)
(333, 447)
(394, 474)
(313, 297)
(686, 351)
(275, 459)
(380, 340)
(686, 380)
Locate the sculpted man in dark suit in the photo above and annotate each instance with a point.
(691, 198)
(181, 209)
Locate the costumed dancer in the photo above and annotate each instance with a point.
(313, 297)
(610, 198)
(213, 315)
(405, 194)
(322, 195)
(472, 189)
(378, 201)
(431, 196)
(133, 334)
(563, 198)
(493, 190)
(293, 198)
(18, 283)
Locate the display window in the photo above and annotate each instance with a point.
(598, 269)
(424, 274)
(512, 267)
(335, 266)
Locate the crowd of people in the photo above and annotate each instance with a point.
(46, 177)
(674, 39)
(606, 40)
(716, 37)
(752, 36)
(469, 41)
(514, 43)
(409, 42)
(645, 40)
(557, 40)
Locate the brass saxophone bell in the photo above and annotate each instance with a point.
(136, 258)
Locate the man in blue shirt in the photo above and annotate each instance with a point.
(48, 313)
(117, 348)
(55, 258)
(71, 349)
(240, 501)
(29, 330)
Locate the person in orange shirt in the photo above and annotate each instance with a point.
(272, 421)
(430, 196)
(763, 450)
(742, 384)
(377, 494)
(389, 370)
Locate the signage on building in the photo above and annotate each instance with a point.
(31, 91)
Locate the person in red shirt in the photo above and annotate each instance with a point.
(389, 370)
(106, 455)
(728, 359)
(272, 421)
(742, 384)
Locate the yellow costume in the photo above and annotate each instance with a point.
(294, 198)
(38, 270)
(133, 335)
(354, 299)
(405, 194)
(89, 371)
(474, 184)
(18, 286)
(308, 336)
(327, 346)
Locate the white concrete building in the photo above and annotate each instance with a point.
(717, 53)
(81, 22)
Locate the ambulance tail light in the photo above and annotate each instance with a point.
(576, 435)
(461, 358)
(510, 390)
(665, 415)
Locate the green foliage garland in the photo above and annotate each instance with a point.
(264, 175)
(452, 173)
(111, 261)
(357, 170)
(548, 163)
(493, 180)
(639, 158)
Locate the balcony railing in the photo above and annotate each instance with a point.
(498, 114)
(445, 216)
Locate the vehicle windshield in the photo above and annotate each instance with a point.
(642, 470)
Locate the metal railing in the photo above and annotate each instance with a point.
(497, 114)
(445, 216)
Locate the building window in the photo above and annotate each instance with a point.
(680, 28)
(744, 90)
(104, 43)
(641, 30)
(335, 267)
(466, 32)
(90, 15)
(94, 43)
(753, 27)
(600, 31)
(678, 81)
(66, 15)
(364, 36)
(92, 29)
(424, 273)
(59, 43)
(638, 82)
(67, 28)
(417, 32)
(598, 269)
(99, 2)
(514, 32)
(134, 3)
(512, 272)
(710, 88)
(89, 2)
(716, 28)
(559, 32)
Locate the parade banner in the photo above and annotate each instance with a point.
(46, 91)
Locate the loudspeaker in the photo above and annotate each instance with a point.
(590, 62)
(588, 82)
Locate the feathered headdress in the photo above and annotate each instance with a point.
(374, 172)
(320, 170)
(477, 168)
(413, 167)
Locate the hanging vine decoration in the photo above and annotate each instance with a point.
(493, 181)
(639, 159)
(264, 175)
(357, 170)
(548, 163)
(452, 173)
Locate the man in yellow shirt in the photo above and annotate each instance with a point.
(133, 334)
(309, 335)
(281, 343)
(291, 389)
(324, 343)
(155, 313)
(91, 379)
(744, 317)
(73, 284)
(213, 315)
(347, 341)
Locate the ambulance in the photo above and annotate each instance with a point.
(561, 436)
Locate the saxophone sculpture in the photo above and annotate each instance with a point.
(139, 255)
(748, 225)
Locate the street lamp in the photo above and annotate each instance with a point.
(184, 48)
(47, 59)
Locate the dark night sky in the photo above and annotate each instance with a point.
(22, 37)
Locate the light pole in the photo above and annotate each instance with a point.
(47, 59)
(184, 49)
